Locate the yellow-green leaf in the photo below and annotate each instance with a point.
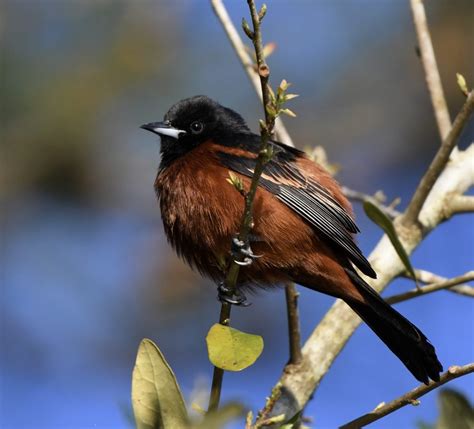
(288, 112)
(156, 399)
(382, 220)
(462, 84)
(231, 349)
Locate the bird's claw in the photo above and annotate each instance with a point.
(239, 249)
(235, 298)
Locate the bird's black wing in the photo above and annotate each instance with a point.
(304, 196)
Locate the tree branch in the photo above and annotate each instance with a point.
(410, 398)
(360, 196)
(460, 204)
(264, 156)
(445, 284)
(281, 135)
(293, 323)
(427, 277)
(432, 76)
(340, 322)
(246, 61)
(439, 162)
(298, 382)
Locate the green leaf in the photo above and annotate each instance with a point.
(156, 399)
(231, 349)
(288, 112)
(235, 181)
(462, 84)
(455, 410)
(289, 97)
(381, 219)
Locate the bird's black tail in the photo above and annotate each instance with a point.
(403, 338)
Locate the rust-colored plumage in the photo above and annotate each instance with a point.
(303, 224)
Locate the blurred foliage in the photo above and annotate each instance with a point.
(157, 399)
(52, 114)
(376, 215)
(455, 412)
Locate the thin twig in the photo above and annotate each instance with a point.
(439, 162)
(293, 323)
(410, 398)
(332, 333)
(432, 76)
(428, 277)
(281, 133)
(360, 196)
(247, 220)
(431, 288)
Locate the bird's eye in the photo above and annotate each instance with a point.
(197, 127)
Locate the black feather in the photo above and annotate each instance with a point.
(309, 199)
(403, 338)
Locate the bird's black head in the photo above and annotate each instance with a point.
(193, 121)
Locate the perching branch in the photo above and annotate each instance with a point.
(438, 163)
(283, 136)
(264, 156)
(410, 398)
(430, 66)
(431, 288)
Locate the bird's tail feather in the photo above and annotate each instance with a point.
(403, 338)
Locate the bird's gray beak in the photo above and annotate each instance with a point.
(163, 129)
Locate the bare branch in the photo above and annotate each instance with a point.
(428, 277)
(439, 162)
(298, 382)
(340, 322)
(264, 156)
(432, 76)
(281, 135)
(246, 60)
(410, 398)
(445, 284)
(460, 204)
(293, 323)
(360, 196)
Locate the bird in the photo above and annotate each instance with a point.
(303, 227)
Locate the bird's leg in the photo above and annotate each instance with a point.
(236, 298)
(241, 249)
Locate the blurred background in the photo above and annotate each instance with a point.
(86, 271)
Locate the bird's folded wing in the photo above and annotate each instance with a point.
(307, 198)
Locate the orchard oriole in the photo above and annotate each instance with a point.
(303, 225)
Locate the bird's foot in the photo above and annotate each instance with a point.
(235, 297)
(242, 250)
